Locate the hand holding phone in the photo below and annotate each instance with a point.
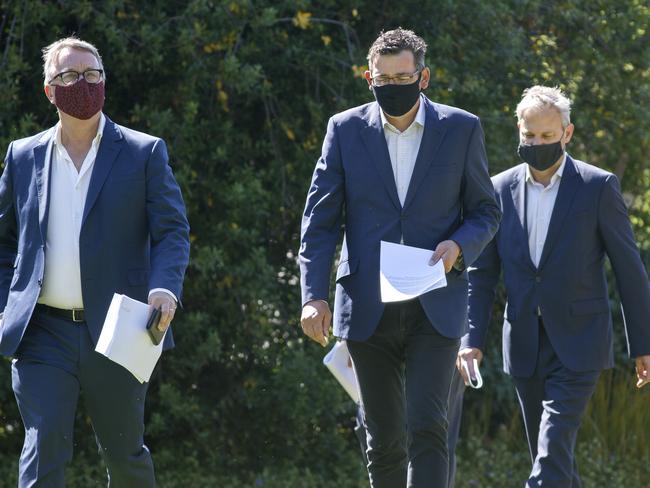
(155, 334)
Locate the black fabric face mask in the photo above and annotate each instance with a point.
(540, 156)
(396, 100)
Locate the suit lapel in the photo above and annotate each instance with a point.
(375, 141)
(434, 131)
(42, 171)
(109, 147)
(518, 192)
(569, 183)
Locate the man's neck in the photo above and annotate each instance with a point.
(545, 177)
(76, 133)
(404, 121)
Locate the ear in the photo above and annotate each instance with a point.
(49, 92)
(568, 133)
(367, 76)
(425, 76)
(519, 136)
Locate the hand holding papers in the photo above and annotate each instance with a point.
(338, 362)
(405, 272)
(124, 338)
(475, 382)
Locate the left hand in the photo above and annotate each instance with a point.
(167, 305)
(642, 370)
(448, 251)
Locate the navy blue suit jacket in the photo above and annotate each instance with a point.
(450, 197)
(589, 221)
(134, 233)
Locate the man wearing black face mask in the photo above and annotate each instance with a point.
(401, 169)
(560, 217)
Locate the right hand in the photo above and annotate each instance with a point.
(315, 321)
(468, 354)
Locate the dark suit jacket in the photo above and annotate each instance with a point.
(134, 233)
(450, 197)
(589, 220)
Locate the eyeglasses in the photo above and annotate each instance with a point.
(401, 79)
(92, 76)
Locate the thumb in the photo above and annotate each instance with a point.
(437, 254)
(325, 327)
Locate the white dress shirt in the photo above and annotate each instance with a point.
(403, 149)
(68, 190)
(67, 198)
(540, 201)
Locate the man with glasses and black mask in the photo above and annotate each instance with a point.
(88, 208)
(406, 170)
(561, 217)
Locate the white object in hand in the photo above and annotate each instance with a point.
(338, 362)
(405, 272)
(125, 340)
(476, 382)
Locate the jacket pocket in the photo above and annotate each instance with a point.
(590, 307)
(347, 268)
(445, 167)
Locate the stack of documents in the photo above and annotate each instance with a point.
(405, 272)
(339, 364)
(124, 338)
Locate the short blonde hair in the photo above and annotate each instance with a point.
(538, 96)
(51, 53)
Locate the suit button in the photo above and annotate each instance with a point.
(538, 279)
(40, 282)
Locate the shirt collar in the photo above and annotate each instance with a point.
(96, 140)
(420, 117)
(556, 176)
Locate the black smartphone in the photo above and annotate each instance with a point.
(155, 334)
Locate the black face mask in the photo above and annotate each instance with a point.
(396, 100)
(540, 156)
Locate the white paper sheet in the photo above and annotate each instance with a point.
(405, 272)
(337, 361)
(125, 340)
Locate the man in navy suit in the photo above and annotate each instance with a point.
(87, 209)
(561, 217)
(401, 169)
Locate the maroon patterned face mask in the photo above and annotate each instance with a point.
(80, 100)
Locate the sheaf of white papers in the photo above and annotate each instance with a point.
(405, 272)
(125, 340)
(337, 361)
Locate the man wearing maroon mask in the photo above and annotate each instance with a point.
(88, 208)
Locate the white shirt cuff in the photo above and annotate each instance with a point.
(163, 290)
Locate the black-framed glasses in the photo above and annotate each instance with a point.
(92, 76)
(400, 79)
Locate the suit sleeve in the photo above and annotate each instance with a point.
(483, 280)
(631, 276)
(481, 214)
(321, 221)
(8, 235)
(168, 226)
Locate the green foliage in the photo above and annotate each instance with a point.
(241, 90)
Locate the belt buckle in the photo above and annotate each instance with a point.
(74, 315)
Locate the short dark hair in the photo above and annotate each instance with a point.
(398, 40)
